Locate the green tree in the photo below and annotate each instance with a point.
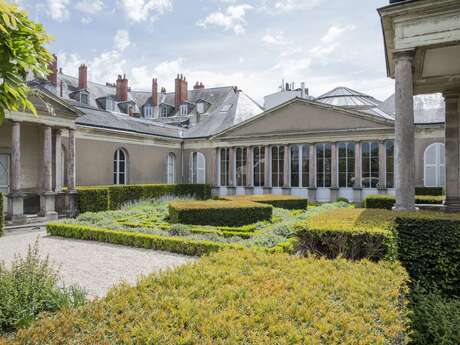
(21, 51)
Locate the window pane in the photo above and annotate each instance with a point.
(295, 166)
(305, 165)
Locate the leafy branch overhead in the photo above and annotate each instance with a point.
(22, 51)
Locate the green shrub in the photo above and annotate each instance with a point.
(429, 248)
(387, 201)
(243, 297)
(350, 233)
(1, 214)
(342, 199)
(433, 191)
(30, 287)
(92, 199)
(435, 319)
(289, 202)
(120, 195)
(218, 212)
(429, 199)
(140, 240)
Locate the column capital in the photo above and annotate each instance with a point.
(404, 55)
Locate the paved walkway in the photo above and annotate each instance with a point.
(94, 266)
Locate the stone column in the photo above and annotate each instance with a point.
(58, 160)
(231, 171)
(71, 175)
(312, 169)
(249, 169)
(47, 197)
(382, 187)
(16, 197)
(267, 170)
(404, 133)
(452, 150)
(334, 173)
(358, 185)
(286, 179)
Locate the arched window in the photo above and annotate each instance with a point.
(120, 167)
(434, 166)
(198, 168)
(346, 166)
(390, 177)
(171, 169)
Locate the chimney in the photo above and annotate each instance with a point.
(52, 77)
(302, 90)
(180, 91)
(198, 86)
(154, 92)
(83, 77)
(122, 88)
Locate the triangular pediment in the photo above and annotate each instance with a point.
(300, 116)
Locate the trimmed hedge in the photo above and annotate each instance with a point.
(243, 297)
(354, 234)
(1, 214)
(387, 202)
(92, 199)
(120, 195)
(218, 212)
(289, 202)
(429, 248)
(170, 244)
(433, 191)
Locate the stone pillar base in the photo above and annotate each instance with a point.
(249, 190)
(16, 208)
(286, 190)
(267, 190)
(312, 194)
(71, 204)
(48, 205)
(231, 190)
(334, 194)
(382, 190)
(452, 204)
(357, 196)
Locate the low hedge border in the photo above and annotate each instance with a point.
(289, 202)
(1, 214)
(92, 199)
(387, 202)
(433, 191)
(170, 244)
(219, 212)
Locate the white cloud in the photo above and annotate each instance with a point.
(231, 19)
(90, 6)
(335, 32)
(276, 38)
(331, 41)
(57, 9)
(141, 10)
(290, 5)
(121, 40)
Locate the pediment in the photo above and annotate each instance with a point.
(300, 116)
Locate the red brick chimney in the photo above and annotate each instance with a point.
(83, 77)
(154, 92)
(122, 88)
(198, 86)
(181, 91)
(52, 77)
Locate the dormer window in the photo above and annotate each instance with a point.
(148, 112)
(200, 107)
(164, 111)
(109, 104)
(184, 110)
(84, 98)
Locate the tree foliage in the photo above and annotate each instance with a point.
(22, 51)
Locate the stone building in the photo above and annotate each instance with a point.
(340, 144)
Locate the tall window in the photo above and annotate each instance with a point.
(277, 166)
(390, 173)
(84, 98)
(171, 168)
(184, 110)
(164, 111)
(241, 162)
(120, 167)
(305, 165)
(148, 112)
(295, 166)
(224, 166)
(198, 168)
(346, 168)
(434, 165)
(4, 173)
(323, 165)
(259, 166)
(370, 164)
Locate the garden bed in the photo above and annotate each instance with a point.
(237, 297)
(289, 202)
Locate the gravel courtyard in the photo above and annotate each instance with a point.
(94, 266)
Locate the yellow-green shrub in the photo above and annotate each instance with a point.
(289, 202)
(243, 297)
(387, 201)
(218, 212)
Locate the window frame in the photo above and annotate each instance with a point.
(171, 168)
(8, 172)
(349, 161)
(241, 163)
(117, 173)
(324, 163)
(373, 175)
(164, 111)
(390, 159)
(439, 165)
(196, 169)
(277, 165)
(224, 165)
(148, 112)
(258, 167)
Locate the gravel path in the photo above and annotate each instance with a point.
(94, 266)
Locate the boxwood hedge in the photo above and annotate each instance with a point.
(218, 212)
(243, 297)
(92, 199)
(289, 202)
(387, 201)
(433, 191)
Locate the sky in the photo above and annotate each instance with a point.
(252, 44)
